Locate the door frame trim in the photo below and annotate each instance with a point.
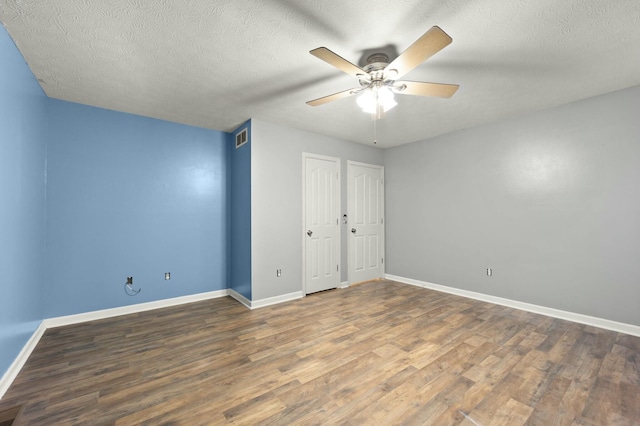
(337, 161)
(382, 216)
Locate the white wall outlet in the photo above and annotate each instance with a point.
(489, 272)
(167, 275)
(278, 272)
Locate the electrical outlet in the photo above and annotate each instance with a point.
(129, 280)
(489, 272)
(278, 272)
(167, 275)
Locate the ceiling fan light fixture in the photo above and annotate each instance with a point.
(367, 101)
(385, 98)
(376, 99)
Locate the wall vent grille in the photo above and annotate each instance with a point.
(241, 138)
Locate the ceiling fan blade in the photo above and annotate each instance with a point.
(338, 61)
(421, 88)
(426, 46)
(334, 97)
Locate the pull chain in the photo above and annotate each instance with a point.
(375, 132)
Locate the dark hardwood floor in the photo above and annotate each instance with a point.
(378, 353)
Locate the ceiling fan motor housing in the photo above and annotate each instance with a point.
(376, 62)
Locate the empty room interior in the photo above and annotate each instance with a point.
(321, 212)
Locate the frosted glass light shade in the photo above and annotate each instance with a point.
(385, 98)
(375, 99)
(367, 101)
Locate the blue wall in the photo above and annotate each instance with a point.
(240, 214)
(91, 196)
(131, 196)
(22, 198)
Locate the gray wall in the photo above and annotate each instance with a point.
(276, 201)
(550, 201)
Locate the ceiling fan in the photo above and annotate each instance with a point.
(379, 79)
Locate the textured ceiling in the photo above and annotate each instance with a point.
(216, 64)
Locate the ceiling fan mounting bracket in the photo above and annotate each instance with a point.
(399, 88)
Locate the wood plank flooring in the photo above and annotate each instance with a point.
(377, 353)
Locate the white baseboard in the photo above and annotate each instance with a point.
(22, 357)
(261, 303)
(620, 327)
(240, 298)
(9, 376)
(132, 309)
